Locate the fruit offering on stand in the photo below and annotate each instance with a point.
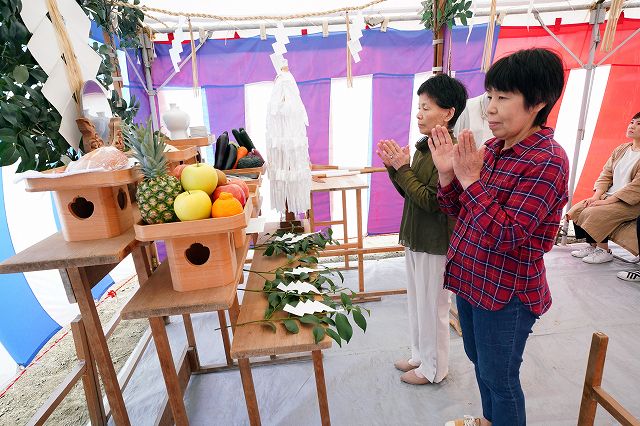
(177, 171)
(222, 144)
(250, 161)
(226, 205)
(200, 176)
(230, 158)
(238, 154)
(158, 189)
(232, 189)
(242, 184)
(222, 178)
(193, 205)
(243, 139)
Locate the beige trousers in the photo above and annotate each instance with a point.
(428, 314)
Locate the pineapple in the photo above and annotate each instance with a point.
(158, 189)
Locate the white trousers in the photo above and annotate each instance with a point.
(428, 314)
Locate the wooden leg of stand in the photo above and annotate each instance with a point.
(90, 380)
(360, 242)
(345, 232)
(454, 320)
(174, 391)
(593, 377)
(234, 311)
(311, 216)
(225, 336)
(98, 343)
(194, 359)
(142, 264)
(321, 387)
(249, 392)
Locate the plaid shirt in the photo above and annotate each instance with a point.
(507, 221)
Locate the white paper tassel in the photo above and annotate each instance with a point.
(288, 147)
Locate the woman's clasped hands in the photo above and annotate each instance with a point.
(392, 155)
(463, 160)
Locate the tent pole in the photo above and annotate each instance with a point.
(608, 55)
(183, 63)
(536, 14)
(438, 37)
(147, 43)
(597, 17)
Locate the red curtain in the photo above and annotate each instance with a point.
(622, 96)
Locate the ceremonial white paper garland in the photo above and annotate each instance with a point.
(48, 54)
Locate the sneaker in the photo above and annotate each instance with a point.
(633, 276)
(598, 256)
(466, 421)
(404, 365)
(583, 252)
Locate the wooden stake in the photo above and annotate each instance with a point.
(194, 64)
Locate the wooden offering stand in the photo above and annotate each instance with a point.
(184, 155)
(201, 253)
(254, 174)
(184, 143)
(190, 142)
(91, 205)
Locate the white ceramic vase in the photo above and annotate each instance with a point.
(177, 122)
(101, 122)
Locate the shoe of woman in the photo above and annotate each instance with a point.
(404, 365)
(466, 421)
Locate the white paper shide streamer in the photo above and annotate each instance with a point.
(288, 146)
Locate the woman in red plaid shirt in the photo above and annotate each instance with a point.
(508, 198)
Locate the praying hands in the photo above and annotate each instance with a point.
(463, 161)
(392, 155)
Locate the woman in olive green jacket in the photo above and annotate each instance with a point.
(425, 232)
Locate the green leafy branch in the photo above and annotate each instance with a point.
(453, 10)
(309, 244)
(334, 324)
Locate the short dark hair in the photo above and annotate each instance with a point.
(635, 117)
(446, 92)
(535, 73)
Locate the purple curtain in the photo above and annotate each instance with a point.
(143, 99)
(392, 97)
(137, 89)
(393, 58)
(241, 61)
(226, 108)
(316, 98)
(466, 57)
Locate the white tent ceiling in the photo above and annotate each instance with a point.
(573, 10)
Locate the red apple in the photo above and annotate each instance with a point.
(177, 171)
(241, 184)
(232, 189)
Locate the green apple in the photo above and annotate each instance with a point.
(192, 205)
(200, 176)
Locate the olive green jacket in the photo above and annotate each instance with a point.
(424, 228)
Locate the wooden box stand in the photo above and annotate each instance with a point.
(253, 175)
(92, 205)
(201, 253)
(183, 155)
(182, 143)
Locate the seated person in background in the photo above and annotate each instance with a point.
(616, 199)
(633, 276)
